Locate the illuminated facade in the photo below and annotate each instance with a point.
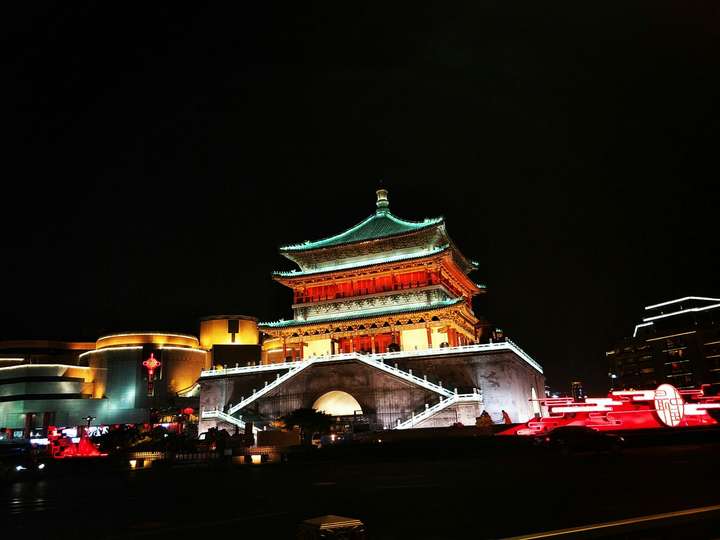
(385, 284)
(125, 378)
(382, 325)
(659, 408)
(383, 332)
(678, 342)
(59, 383)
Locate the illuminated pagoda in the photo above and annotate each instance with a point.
(386, 284)
(383, 333)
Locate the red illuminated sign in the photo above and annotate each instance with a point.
(151, 364)
(669, 405)
(666, 406)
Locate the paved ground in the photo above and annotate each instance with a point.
(473, 494)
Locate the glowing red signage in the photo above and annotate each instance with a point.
(669, 405)
(664, 407)
(61, 446)
(151, 364)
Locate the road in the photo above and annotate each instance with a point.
(477, 495)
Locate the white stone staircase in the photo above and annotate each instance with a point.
(220, 415)
(406, 375)
(415, 419)
(297, 367)
(270, 386)
(447, 397)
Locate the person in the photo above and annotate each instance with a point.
(506, 417)
(484, 420)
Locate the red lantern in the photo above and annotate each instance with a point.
(151, 364)
(188, 410)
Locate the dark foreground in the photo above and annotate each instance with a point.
(460, 492)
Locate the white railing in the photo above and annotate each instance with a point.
(444, 351)
(407, 375)
(297, 367)
(234, 420)
(270, 386)
(415, 419)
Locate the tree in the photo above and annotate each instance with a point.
(309, 421)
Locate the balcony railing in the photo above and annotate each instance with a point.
(443, 351)
(415, 419)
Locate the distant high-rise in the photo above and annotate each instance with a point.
(677, 342)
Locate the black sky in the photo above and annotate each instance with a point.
(155, 157)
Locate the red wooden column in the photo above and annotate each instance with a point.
(372, 343)
(429, 337)
(352, 343)
(301, 350)
(284, 348)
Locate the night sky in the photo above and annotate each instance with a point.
(156, 157)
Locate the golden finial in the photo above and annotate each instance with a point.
(382, 203)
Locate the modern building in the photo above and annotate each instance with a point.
(230, 339)
(383, 329)
(677, 342)
(46, 383)
(124, 378)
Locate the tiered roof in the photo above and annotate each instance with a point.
(379, 225)
(366, 314)
(382, 241)
(421, 254)
(382, 237)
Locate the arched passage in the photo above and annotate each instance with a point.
(337, 403)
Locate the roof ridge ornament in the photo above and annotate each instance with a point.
(383, 205)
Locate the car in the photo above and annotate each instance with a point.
(567, 439)
(17, 459)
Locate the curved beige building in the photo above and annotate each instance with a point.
(228, 330)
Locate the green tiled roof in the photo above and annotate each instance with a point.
(345, 266)
(382, 224)
(365, 314)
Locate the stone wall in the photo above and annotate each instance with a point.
(506, 382)
(383, 397)
(505, 379)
